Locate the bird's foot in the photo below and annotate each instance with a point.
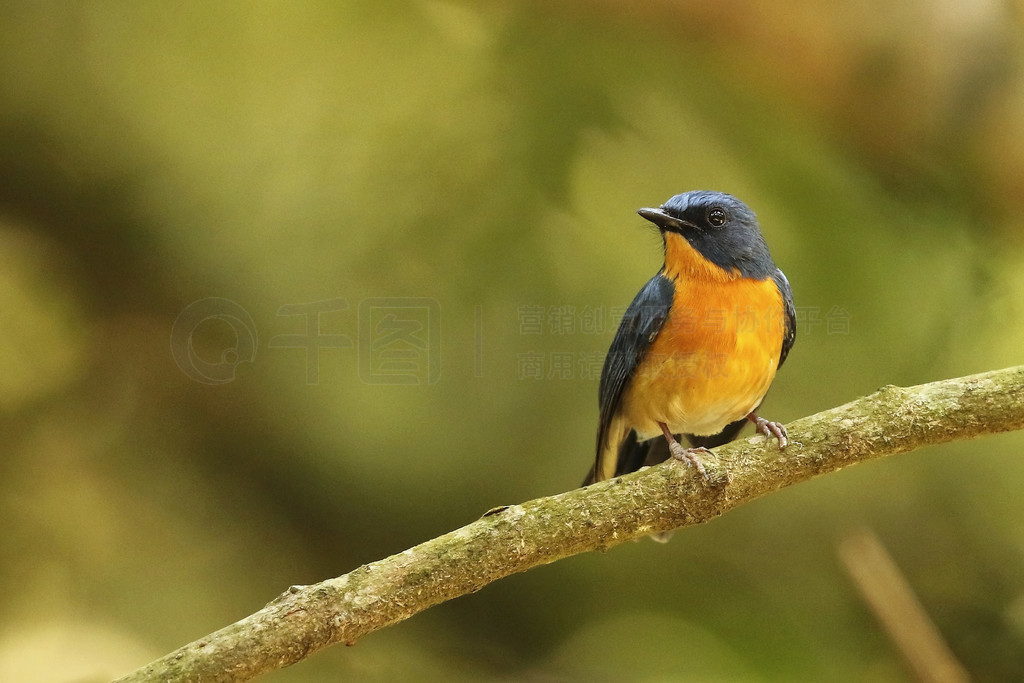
(689, 455)
(770, 429)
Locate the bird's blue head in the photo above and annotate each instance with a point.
(720, 227)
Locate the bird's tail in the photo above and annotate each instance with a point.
(629, 451)
(632, 455)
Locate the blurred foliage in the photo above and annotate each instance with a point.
(486, 160)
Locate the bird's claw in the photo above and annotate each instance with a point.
(770, 429)
(689, 455)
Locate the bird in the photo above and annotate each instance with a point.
(699, 346)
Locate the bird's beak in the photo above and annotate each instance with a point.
(660, 218)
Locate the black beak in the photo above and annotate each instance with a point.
(660, 218)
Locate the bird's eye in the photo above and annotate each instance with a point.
(717, 217)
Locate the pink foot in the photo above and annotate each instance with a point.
(770, 429)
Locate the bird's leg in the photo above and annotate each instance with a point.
(770, 429)
(680, 453)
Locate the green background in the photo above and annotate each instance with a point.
(487, 160)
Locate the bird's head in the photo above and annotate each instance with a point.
(719, 227)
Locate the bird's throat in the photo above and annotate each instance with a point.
(682, 260)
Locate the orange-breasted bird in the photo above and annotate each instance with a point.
(700, 344)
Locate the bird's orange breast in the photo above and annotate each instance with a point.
(716, 354)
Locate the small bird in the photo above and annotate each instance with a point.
(700, 344)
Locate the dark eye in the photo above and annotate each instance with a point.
(717, 217)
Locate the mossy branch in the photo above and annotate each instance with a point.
(305, 619)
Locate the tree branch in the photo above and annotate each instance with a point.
(305, 619)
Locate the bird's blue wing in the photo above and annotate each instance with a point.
(790, 312)
(640, 325)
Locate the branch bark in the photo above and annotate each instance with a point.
(305, 619)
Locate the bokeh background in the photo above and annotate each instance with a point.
(441, 195)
